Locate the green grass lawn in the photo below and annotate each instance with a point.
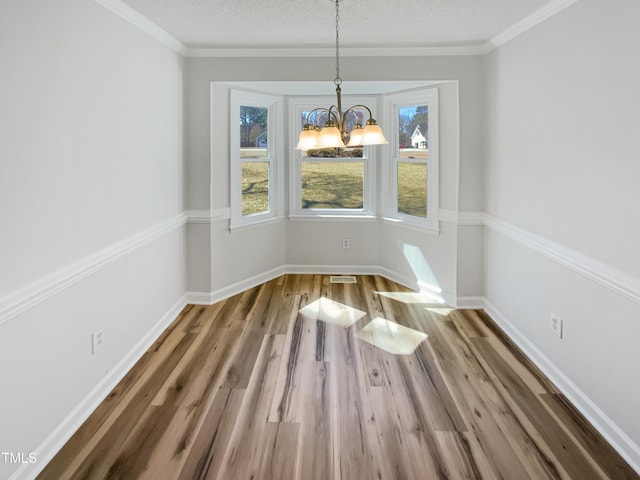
(255, 187)
(334, 185)
(412, 189)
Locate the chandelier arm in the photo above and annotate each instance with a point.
(319, 109)
(351, 109)
(337, 119)
(337, 116)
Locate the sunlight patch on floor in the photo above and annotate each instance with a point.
(391, 337)
(332, 312)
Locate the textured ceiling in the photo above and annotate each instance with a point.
(311, 23)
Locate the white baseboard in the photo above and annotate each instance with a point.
(403, 280)
(396, 277)
(208, 298)
(469, 302)
(609, 430)
(332, 269)
(199, 298)
(63, 432)
(239, 287)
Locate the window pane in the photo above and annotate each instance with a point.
(253, 132)
(412, 189)
(255, 187)
(413, 132)
(332, 185)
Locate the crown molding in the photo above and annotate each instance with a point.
(433, 51)
(537, 17)
(144, 24)
(154, 30)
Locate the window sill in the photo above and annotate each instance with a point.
(333, 218)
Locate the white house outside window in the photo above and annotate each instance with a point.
(412, 173)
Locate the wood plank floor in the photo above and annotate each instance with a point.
(299, 378)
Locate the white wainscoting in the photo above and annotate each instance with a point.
(43, 289)
(605, 275)
(26, 297)
(72, 422)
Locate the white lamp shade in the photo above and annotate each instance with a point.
(330, 137)
(308, 139)
(355, 138)
(372, 135)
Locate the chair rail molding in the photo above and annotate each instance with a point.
(620, 282)
(465, 219)
(21, 300)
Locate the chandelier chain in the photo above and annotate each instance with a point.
(336, 133)
(337, 80)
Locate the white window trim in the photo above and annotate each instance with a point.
(275, 142)
(392, 103)
(296, 106)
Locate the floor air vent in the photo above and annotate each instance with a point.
(343, 279)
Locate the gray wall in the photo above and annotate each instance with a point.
(91, 163)
(246, 254)
(202, 71)
(561, 185)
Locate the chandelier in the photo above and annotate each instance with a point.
(334, 132)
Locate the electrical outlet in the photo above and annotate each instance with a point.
(556, 324)
(97, 339)
(346, 243)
